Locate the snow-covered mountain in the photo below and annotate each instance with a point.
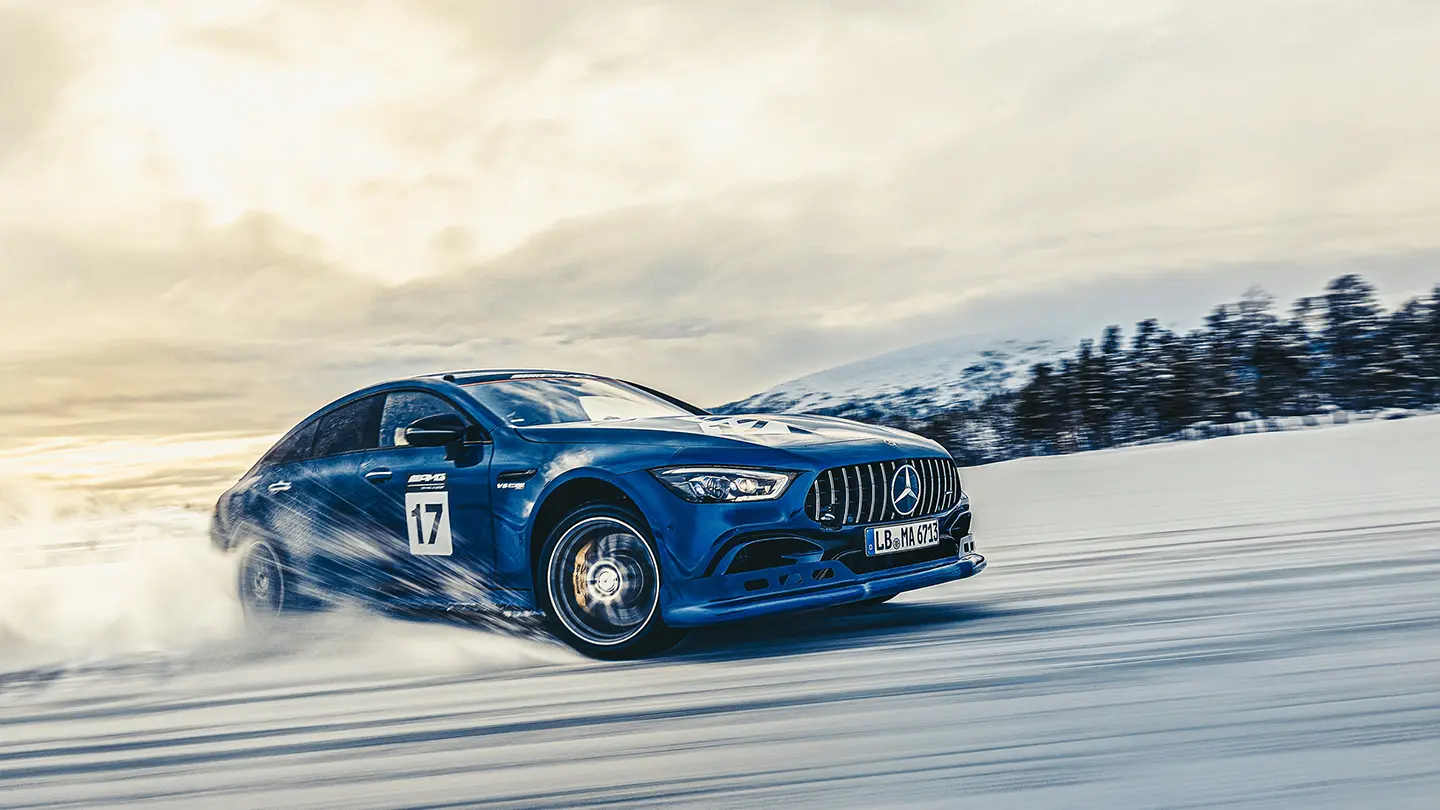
(916, 381)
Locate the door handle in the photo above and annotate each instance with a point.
(378, 476)
(278, 487)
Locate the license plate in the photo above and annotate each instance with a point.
(899, 537)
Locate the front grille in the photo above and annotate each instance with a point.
(860, 493)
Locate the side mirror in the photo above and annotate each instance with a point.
(440, 430)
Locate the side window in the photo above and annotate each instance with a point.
(404, 407)
(295, 447)
(349, 428)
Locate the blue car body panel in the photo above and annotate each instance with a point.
(349, 521)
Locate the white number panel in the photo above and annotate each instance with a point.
(428, 517)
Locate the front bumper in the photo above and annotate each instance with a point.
(724, 562)
(814, 585)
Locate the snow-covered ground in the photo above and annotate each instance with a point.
(1250, 622)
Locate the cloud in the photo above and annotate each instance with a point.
(228, 214)
(269, 333)
(35, 71)
(253, 278)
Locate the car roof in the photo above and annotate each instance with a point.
(440, 381)
(471, 376)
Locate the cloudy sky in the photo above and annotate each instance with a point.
(216, 216)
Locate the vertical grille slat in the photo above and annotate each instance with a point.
(882, 485)
(874, 501)
(932, 485)
(858, 488)
(862, 510)
(920, 483)
(860, 493)
(892, 513)
(859, 496)
(922, 506)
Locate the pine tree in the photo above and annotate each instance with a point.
(1114, 368)
(1179, 400)
(1037, 411)
(1146, 365)
(1403, 379)
(1089, 393)
(1430, 351)
(1281, 358)
(1219, 365)
(1353, 367)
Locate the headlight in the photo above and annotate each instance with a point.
(724, 484)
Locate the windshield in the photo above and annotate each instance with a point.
(552, 400)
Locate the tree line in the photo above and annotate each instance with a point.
(1336, 351)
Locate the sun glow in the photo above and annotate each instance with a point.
(190, 469)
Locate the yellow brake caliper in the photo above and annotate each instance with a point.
(579, 581)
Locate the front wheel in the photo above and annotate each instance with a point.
(601, 584)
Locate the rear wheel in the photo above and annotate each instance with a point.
(261, 581)
(601, 584)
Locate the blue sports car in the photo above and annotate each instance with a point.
(621, 514)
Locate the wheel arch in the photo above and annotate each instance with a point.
(565, 498)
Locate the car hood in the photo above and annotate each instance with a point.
(780, 431)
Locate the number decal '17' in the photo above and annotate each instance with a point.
(427, 519)
(436, 509)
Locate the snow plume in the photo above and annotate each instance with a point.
(79, 583)
(95, 590)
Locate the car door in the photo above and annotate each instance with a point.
(432, 506)
(350, 553)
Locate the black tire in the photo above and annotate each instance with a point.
(598, 581)
(262, 582)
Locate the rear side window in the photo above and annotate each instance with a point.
(404, 407)
(295, 447)
(349, 428)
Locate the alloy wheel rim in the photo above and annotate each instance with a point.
(604, 581)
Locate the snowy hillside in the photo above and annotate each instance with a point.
(918, 380)
(1249, 622)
